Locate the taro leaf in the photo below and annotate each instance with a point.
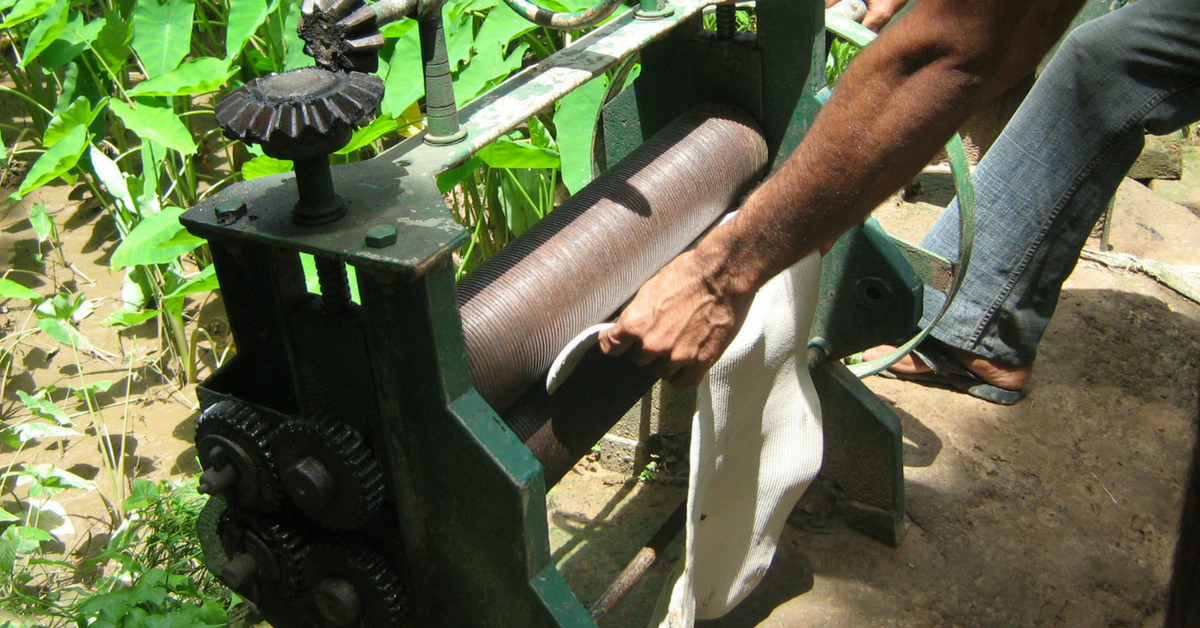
(197, 76)
(10, 289)
(26, 432)
(87, 394)
(294, 57)
(450, 178)
(576, 124)
(42, 223)
(79, 113)
(30, 533)
(26, 10)
(111, 176)
(487, 69)
(42, 407)
(73, 41)
(50, 476)
(6, 516)
(202, 281)
(149, 242)
(503, 25)
(128, 317)
(397, 29)
(162, 34)
(404, 83)
(263, 166)
(540, 136)
(245, 16)
(505, 153)
(460, 40)
(56, 161)
(155, 123)
(66, 334)
(367, 134)
(49, 26)
(112, 44)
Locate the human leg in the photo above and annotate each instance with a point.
(1045, 182)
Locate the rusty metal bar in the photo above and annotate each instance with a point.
(641, 563)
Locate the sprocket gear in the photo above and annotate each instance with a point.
(354, 586)
(231, 441)
(263, 558)
(328, 471)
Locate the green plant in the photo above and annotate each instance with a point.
(841, 53)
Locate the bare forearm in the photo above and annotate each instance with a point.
(899, 102)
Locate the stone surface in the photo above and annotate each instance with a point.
(1160, 159)
(1185, 191)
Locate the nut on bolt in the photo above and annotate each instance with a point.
(380, 236)
(229, 212)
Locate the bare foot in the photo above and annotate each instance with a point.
(990, 371)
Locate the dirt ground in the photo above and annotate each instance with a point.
(1058, 511)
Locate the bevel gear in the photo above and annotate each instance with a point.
(231, 441)
(354, 586)
(328, 471)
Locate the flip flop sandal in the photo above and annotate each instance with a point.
(950, 373)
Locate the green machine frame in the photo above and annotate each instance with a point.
(466, 526)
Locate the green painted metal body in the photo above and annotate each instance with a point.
(467, 524)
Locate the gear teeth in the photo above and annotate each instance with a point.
(243, 426)
(372, 576)
(344, 454)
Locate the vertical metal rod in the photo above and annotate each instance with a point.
(640, 564)
(319, 202)
(335, 285)
(439, 87)
(726, 21)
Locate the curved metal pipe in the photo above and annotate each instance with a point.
(561, 20)
(586, 258)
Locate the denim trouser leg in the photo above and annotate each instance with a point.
(1048, 178)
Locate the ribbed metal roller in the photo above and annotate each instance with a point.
(585, 259)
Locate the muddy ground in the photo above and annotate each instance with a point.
(1058, 511)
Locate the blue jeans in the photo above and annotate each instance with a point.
(1050, 175)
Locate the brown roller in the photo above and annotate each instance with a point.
(579, 264)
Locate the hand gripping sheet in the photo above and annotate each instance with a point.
(756, 446)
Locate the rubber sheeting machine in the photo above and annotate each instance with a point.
(385, 462)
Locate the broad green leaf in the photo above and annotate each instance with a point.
(123, 318)
(66, 334)
(6, 516)
(460, 40)
(112, 44)
(294, 57)
(245, 16)
(73, 41)
(397, 29)
(30, 533)
(506, 153)
(540, 136)
(197, 76)
(42, 407)
(141, 246)
(80, 113)
(10, 289)
(56, 161)
(487, 68)
(450, 178)
(111, 176)
(26, 432)
(503, 25)
(26, 10)
(47, 29)
(575, 121)
(162, 34)
(51, 476)
(203, 281)
(263, 166)
(405, 82)
(367, 134)
(42, 223)
(158, 124)
(143, 492)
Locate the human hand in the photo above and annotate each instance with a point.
(879, 12)
(679, 322)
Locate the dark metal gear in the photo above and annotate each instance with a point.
(262, 558)
(301, 114)
(231, 441)
(354, 586)
(328, 471)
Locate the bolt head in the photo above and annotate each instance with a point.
(229, 212)
(380, 236)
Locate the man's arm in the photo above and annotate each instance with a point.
(896, 105)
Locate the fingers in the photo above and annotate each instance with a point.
(876, 18)
(616, 340)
